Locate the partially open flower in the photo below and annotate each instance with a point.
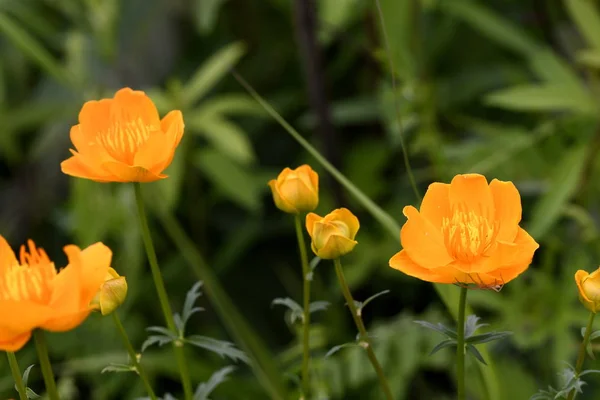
(123, 140)
(589, 289)
(112, 293)
(333, 235)
(34, 295)
(296, 191)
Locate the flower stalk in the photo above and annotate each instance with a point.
(460, 345)
(365, 342)
(133, 356)
(306, 318)
(42, 351)
(582, 348)
(162, 292)
(16, 373)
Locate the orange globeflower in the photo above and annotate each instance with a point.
(123, 140)
(466, 232)
(33, 295)
(589, 289)
(296, 190)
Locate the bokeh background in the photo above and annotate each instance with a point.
(506, 88)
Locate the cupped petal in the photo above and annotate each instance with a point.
(78, 166)
(335, 247)
(311, 218)
(422, 241)
(470, 192)
(344, 215)
(279, 201)
(580, 276)
(122, 172)
(509, 254)
(7, 255)
(507, 202)
(295, 191)
(95, 261)
(11, 341)
(95, 117)
(436, 204)
(322, 231)
(23, 315)
(172, 125)
(155, 153)
(131, 105)
(403, 263)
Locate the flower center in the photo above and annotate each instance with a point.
(29, 280)
(124, 138)
(468, 235)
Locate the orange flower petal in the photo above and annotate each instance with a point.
(129, 105)
(471, 192)
(7, 255)
(335, 247)
(125, 173)
(423, 243)
(436, 204)
(344, 215)
(22, 315)
(172, 125)
(94, 117)
(153, 155)
(78, 166)
(402, 262)
(294, 191)
(311, 218)
(580, 275)
(10, 341)
(95, 260)
(280, 201)
(507, 202)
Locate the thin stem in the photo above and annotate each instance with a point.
(306, 319)
(460, 344)
(409, 172)
(42, 351)
(365, 342)
(133, 356)
(162, 292)
(582, 351)
(16, 373)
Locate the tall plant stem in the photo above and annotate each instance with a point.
(460, 345)
(133, 356)
(364, 336)
(582, 348)
(16, 373)
(162, 292)
(42, 351)
(306, 318)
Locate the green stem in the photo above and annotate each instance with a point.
(582, 351)
(162, 292)
(42, 351)
(133, 356)
(365, 342)
(16, 373)
(306, 319)
(460, 345)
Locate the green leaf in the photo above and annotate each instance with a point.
(589, 58)
(471, 325)
(547, 97)
(190, 299)
(118, 368)
(370, 299)
(224, 135)
(562, 186)
(339, 347)
(555, 71)
(487, 337)
(209, 73)
(295, 308)
(205, 389)
(475, 353)
(587, 19)
(29, 392)
(220, 347)
(438, 328)
(491, 25)
(234, 181)
(206, 13)
(318, 306)
(442, 345)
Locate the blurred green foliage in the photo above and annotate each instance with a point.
(509, 89)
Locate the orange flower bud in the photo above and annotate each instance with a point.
(296, 191)
(112, 293)
(589, 289)
(333, 235)
(123, 140)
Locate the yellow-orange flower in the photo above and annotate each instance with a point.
(333, 235)
(34, 295)
(466, 232)
(123, 140)
(589, 289)
(296, 191)
(112, 293)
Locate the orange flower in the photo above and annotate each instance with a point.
(466, 232)
(296, 191)
(33, 295)
(333, 235)
(123, 140)
(589, 289)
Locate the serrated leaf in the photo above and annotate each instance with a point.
(118, 368)
(211, 71)
(487, 337)
(188, 306)
(220, 347)
(339, 347)
(442, 345)
(438, 328)
(206, 388)
(475, 353)
(157, 339)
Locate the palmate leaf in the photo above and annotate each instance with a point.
(188, 308)
(205, 389)
(164, 336)
(220, 347)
